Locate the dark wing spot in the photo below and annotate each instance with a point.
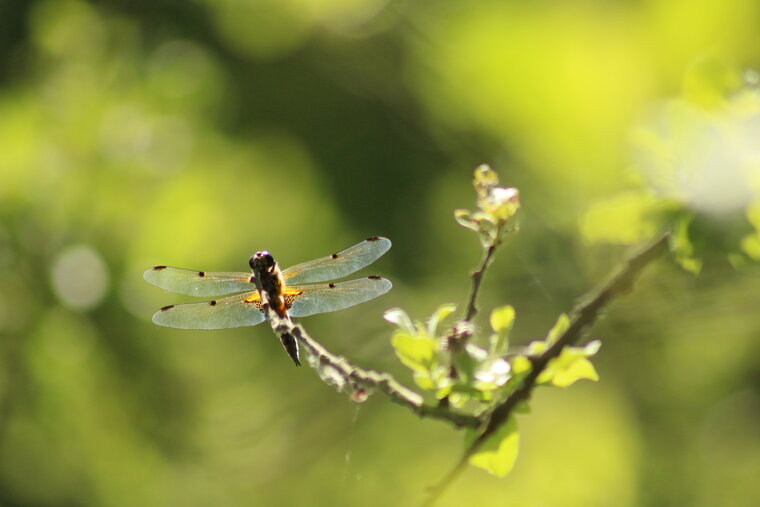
(374, 238)
(334, 256)
(201, 273)
(252, 279)
(156, 268)
(212, 303)
(332, 285)
(375, 277)
(167, 308)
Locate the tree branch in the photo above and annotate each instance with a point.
(341, 374)
(584, 314)
(477, 278)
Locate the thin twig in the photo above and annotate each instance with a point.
(477, 278)
(584, 315)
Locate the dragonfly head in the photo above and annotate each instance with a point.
(262, 259)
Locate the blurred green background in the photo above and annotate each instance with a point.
(193, 134)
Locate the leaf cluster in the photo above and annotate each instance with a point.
(496, 206)
(477, 378)
(457, 367)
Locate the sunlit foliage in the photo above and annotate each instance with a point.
(196, 133)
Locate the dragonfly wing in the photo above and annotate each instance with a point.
(233, 311)
(335, 296)
(340, 264)
(197, 283)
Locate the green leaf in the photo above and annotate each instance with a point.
(458, 400)
(416, 351)
(500, 204)
(580, 368)
(520, 364)
(444, 391)
(465, 364)
(399, 317)
(560, 327)
(682, 248)
(502, 319)
(751, 246)
(496, 205)
(423, 380)
(476, 353)
(691, 265)
(592, 347)
(435, 378)
(485, 176)
(463, 217)
(497, 455)
(438, 316)
(537, 347)
(571, 366)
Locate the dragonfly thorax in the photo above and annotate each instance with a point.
(268, 274)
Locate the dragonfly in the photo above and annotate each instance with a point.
(299, 291)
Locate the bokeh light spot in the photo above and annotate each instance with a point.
(79, 277)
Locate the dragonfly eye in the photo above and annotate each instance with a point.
(262, 258)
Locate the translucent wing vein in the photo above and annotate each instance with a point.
(197, 283)
(336, 296)
(340, 264)
(233, 311)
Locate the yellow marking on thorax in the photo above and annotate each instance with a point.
(289, 296)
(253, 298)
